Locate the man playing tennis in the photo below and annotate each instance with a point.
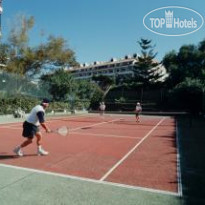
(138, 110)
(31, 128)
(102, 108)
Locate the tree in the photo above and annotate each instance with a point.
(24, 59)
(105, 83)
(96, 98)
(18, 40)
(187, 63)
(186, 76)
(55, 53)
(18, 36)
(201, 48)
(4, 53)
(188, 95)
(85, 89)
(90, 92)
(146, 69)
(175, 75)
(61, 85)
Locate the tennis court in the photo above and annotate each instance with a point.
(107, 159)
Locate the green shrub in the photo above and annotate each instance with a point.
(9, 105)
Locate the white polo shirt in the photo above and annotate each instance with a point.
(33, 117)
(138, 108)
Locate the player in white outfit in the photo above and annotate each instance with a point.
(31, 128)
(138, 110)
(102, 108)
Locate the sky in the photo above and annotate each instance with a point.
(98, 30)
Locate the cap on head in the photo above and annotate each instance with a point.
(138, 103)
(45, 101)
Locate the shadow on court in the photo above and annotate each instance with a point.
(5, 157)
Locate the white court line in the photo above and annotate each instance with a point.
(90, 180)
(93, 125)
(60, 118)
(180, 190)
(15, 124)
(10, 123)
(72, 129)
(11, 127)
(50, 119)
(132, 150)
(105, 135)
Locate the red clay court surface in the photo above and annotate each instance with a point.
(105, 149)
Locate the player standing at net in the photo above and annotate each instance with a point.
(102, 108)
(138, 110)
(31, 128)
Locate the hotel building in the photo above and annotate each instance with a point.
(115, 68)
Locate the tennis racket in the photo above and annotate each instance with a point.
(63, 131)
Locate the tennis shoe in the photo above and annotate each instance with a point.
(18, 151)
(42, 152)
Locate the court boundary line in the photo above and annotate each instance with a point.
(99, 181)
(157, 191)
(49, 118)
(61, 118)
(72, 129)
(105, 135)
(93, 125)
(9, 123)
(11, 127)
(179, 174)
(83, 133)
(130, 152)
